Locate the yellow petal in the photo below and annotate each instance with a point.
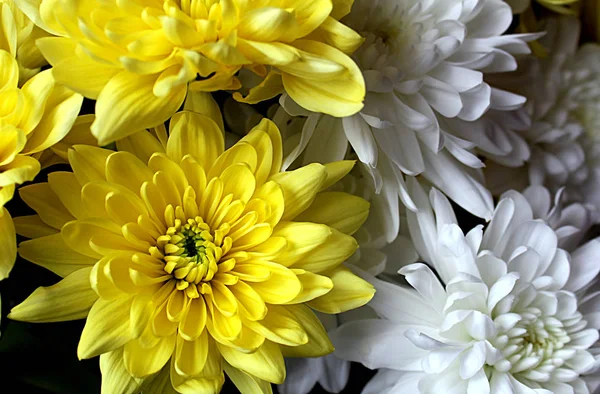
(267, 24)
(36, 93)
(190, 356)
(265, 363)
(51, 252)
(12, 141)
(282, 286)
(203, 103)
(341, 8)
(250, 302)
(8, 243)
(128, 104)
(246, 383)
(318, 342)
(106, 329)
(301, 239)
(55, 49)
(62, 108)
(126, 170)
(141, 362)
(336, 171)
(68, 190)
(193, 323)
(83, 75)
(8, 33)
(42, 199)
(337, 35)
(196, 135)
(313, 286)
(141, 144)
(210, 380)
(80, 134)
(115, 378)
(69, 299)
(9, 74)
(21, 169)
(32, 227)
(337, 90)
(241, 152)
(300, 187)
(349, 292)
(312, 14)
(78, 234)
(342, 211)
(337, 249)
(88, 163)
(280, 326)
(158, 384)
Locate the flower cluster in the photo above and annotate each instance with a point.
(262, 192)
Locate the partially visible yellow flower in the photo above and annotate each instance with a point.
(18, 37)
(188, 260)
(528, 22)
(137, 58)
(32, 118)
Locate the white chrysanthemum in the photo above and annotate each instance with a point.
(424, 64)
(506, 314)
(564, 107)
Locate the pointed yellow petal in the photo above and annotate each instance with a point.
(125, 169)
(42, 199)
(349, 292)
(313, 286)
(280, 326)
(338, 248)
(210, 380)
(127, 105)
(336, 171)
(337, 35)
(196, 135)
(246, 383)
(68, 190)
(342, 211)
(281, 287)
(32, 227)
(51, 252)
(69, 299)
(106, 329)
(88, 163)
(300, 187)
(337, 90)
(203, 103)
(115, 378)
(62, 108)
(265, 363)
(83, 75)
(141, 144)
(318, 342)
(8, 243)
(301, 239)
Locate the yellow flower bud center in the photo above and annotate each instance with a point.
(192, 253)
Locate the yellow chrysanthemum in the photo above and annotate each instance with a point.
(18, 35)
(32, 118)
(187, 260)
(137, 58)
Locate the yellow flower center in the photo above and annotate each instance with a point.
(191, 253)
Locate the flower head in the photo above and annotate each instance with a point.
(191, 260)
(424, 65)
(138, 59)
(506, 314)
(562, 106)
(33, 117)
